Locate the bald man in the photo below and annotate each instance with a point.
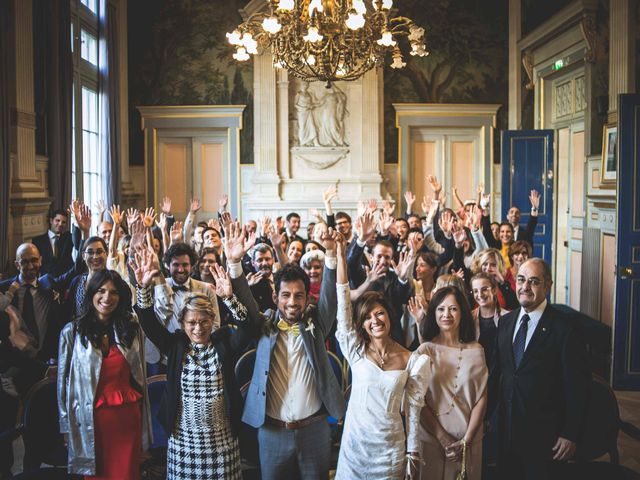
(38, 298)
(105, 229)
(539, 380)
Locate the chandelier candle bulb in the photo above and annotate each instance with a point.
(329, 40)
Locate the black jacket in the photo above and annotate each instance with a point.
(50, 264)
(229, 342)
(546, 396)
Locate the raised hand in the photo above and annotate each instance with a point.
(410, 199)
(223, 283)
(329, 194)
(84, 218)
(403, 267)
(365, 227)
(226, 220)
(165, 205)
(361, 208)
(436, 186)
(534, 198)
(372, 205)
(266, 222)
(176, 234)
(74, 208)
(275, 236)
(433, 210)
(480, 188)
(279, 223)
(415, 244)
(459, 235)
(214, 223)
(473, 218)
(132, 215)
(17, 336)
(149, 217)
(145, 265)
(426, 204)
(100, 207)
(253, 278)
(485, 201)
(235, 244)
(384, 222)
(137, 232)
(418, 308)
(223, 201)
(328, 241)
(446, 223)
(195, 205)
(388, 207)
(116, 215)
(376, 273)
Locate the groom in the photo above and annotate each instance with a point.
(293, 386)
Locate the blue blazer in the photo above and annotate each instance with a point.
(323, 317)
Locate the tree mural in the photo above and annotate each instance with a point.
(178, 55)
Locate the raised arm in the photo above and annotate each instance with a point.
(327, 303)
(345, 333)
(116, 216)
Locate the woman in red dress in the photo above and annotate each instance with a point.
(102, 396)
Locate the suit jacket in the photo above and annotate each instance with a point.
(263, 294)
(50, 264)
(322, 319)
(546, 396)
(55, 288)
(526, 234)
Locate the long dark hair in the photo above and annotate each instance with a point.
(121, 320)
(430, 329)
(363, 307)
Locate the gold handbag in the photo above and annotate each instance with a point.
(463, 472)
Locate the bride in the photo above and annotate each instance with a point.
(387, 378)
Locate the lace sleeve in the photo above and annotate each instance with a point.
(345, 333)
(414, 393)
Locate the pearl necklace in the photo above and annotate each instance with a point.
(455, 387)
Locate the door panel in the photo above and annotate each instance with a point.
(626, 341)
(527, 163)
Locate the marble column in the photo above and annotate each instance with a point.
(266, 179)
(29, 200)
(515, 65)
(621, 52)
(282, 97)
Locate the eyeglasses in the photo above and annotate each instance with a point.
(534, 282)
(201, 324)
(95, 253)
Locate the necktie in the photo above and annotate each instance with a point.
(28, 313)
(520, 340)
(56, 246)
(287, 327)
(180, 288)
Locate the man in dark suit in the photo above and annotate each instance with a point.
(293, 225)
(261, 282)
(539, 380)
(39, 298)
(55, 246)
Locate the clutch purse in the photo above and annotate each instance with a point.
(463, 471)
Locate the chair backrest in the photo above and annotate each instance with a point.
(156, 387)
(43, 441)
(248, 438)
(602, 422)
(244, 366)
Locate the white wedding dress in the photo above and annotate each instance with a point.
(374, 443)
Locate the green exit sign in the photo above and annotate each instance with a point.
(558, 64)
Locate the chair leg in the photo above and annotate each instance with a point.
(614, 456)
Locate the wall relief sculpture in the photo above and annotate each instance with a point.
(320, 116)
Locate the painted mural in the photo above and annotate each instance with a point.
(468, 60)
(178, 55)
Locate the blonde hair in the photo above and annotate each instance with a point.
(449, 280)
(484, 256)
(197, 302)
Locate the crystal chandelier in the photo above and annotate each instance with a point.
(328, 40)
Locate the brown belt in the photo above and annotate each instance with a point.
(319, 415)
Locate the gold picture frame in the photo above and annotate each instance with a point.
(609, 164)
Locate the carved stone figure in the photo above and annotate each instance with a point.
(305, 106)
(332, 112)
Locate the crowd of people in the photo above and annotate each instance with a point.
(442, 317)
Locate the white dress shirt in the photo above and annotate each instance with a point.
(52, 241)
(292, 393)
(534, 318)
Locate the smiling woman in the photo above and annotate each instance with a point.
(102, 394)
